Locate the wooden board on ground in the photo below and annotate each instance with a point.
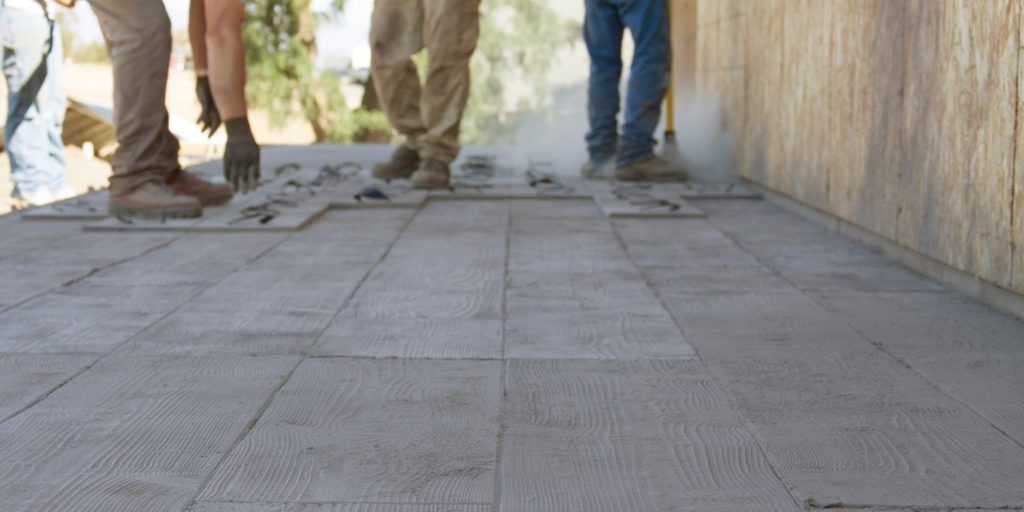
(134, 433)
(373, 431)
(87, 207)
(629, 436)
(573, 293)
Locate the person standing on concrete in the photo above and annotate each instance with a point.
(631, 155)
(428, 116)
(215, 31)
(33, 57)
(148, 180)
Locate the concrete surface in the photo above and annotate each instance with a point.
(498, 355)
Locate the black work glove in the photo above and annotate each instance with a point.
(241, 156)
(209, 118)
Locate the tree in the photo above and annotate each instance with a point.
(517, 41)
(280, 40)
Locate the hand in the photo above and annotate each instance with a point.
(209, 118)
(241, 156)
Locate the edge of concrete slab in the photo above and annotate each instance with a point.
(983, 291)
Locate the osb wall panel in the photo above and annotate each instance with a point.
(958, 145)
(759, 146)
(805, 100)
(1017, 223)
(684, 40)
(896, 115)
(864, 128)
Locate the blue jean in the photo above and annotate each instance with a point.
(603, 29)
(33, 56)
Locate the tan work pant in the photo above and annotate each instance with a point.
(428, 116)
(138, 36)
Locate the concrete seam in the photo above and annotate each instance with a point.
(92, 272)
(877, 345)
(302, 358)
(500, 448)
(747, 425)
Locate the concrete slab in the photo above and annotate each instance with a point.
(341, 507)
(374, 431)
(621, 320)
(133, 433)
(618, 436)
(444, 276)
(25, 379)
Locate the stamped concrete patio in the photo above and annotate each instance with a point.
(498, 355)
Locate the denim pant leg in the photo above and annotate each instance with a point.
(57, 104)
(603, 31)
(32, 130)
(648, 78)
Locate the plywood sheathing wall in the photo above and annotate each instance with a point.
(899, 116)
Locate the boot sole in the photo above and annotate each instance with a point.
(120, 210)
(430, 183)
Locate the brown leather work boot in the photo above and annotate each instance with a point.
(432, 174)
(154, 201)
(208, 194)
(652, 169)
(401, 166)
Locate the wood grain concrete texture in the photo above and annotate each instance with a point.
(888, 436)
(573, 293)
(618, 436)
(133, 433)
(375, 431)
(857, 107)
(501, 355)
(438, 294)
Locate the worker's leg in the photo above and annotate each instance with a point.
(451, 30)
(396, 34)
(138, 35)
(31, 116)
(602, 31)
(648, 78)
(57, 104)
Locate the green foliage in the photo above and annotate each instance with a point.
(280, 41)
(517, 41)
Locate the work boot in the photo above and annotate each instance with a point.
(432, 174)
(208, 194)
(652, 169)
(404, 162)
(597, 171)
(153, 200)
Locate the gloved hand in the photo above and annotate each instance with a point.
(241, 156)
(209, 118)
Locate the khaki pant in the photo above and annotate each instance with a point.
(429, 116)
(138, 36)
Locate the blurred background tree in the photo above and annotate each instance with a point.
(517, 41)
